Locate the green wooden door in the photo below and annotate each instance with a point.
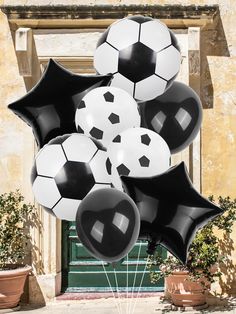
(81, 272)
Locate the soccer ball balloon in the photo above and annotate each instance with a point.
(105, 112)
(138, 152)
(142, 54)
(65, 171)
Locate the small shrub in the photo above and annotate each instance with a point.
(14, 214)
(205, 250)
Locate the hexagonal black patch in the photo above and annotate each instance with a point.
(81, 105)
(74, 180)
(96, 133)
(108, 166)
(103, 37)
(140, 19)
(123, 170)
(144, 161)
(33, 173)
(117, 139)
(59, 139)
(114, 118)
(109, 97)
(145, 139)
(49, 210)
(79, 129)
(137, 62)
(98, 144)
(174, 41)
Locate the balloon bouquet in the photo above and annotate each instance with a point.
(106, 140)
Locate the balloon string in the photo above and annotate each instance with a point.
(135, 275)
(141, 282)
(108, 280)
(117, 289)
(127, 283)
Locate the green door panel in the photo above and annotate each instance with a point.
(82, 272)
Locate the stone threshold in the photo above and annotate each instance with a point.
(104, 295)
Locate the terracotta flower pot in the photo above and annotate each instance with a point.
(12, 286)
(183, 291)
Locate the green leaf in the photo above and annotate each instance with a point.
(15, 219)
(205, 250)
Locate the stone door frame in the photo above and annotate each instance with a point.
(24, 22)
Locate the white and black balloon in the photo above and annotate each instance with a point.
(65, 171)
(105, 112)
(138, 152)
(142, 54)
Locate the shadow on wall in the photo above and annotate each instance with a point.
(213, 43)
(34, 258)
(228, 268)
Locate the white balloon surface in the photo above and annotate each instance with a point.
(105, 112)
(138, 152)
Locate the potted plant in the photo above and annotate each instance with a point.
(14, 214)
(186, 285)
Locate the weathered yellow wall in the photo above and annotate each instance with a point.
(218, 92)
(218, 81)
(16, 144)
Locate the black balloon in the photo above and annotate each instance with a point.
(176, 116)
(107, 223)
(171, 210)
(49, 108)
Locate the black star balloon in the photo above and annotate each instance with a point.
(171, 210)
(49, 108)
(176, 116)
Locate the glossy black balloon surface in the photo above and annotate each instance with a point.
(49, 108)
(171, 210)
(107, 224)
(176, 116)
